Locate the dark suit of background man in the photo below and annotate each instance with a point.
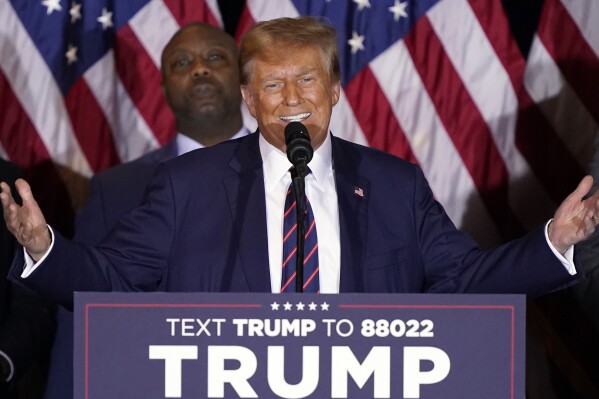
(212, 219)
(200, 80)
(26, 322)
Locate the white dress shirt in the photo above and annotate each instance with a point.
(322, 194)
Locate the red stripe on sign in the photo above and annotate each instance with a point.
(464, 124)
(375, 116)
(188, 11)
(134, 66)
(91, 127)
(571, 52)
(18, 136)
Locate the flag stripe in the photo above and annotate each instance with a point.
(532, 127)
(476, 63)
(585, 14)
(486, 82)
(560, 104)
(571, 52)
(36, 90)
(147, 98)
(375, 116)
(28, 149)
(144, 23)
(90, 127)
(246, 20)
(464, 124)
(129, 129)
(493, 21)
(449, 179)
(188, 11)
(344, 123)
(544, 101)
(471, 52)
(527, 196)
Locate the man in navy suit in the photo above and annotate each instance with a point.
(200, 80)
(27, 322)
(212, 220)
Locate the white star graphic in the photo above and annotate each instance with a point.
(75, 12)
(287, 306)
(324, 306)
(71, 54)
(52, 5)
(312, 306)
(399, 10)
(105, 19)
(356, 42)
(300, 306)
(274, 306)
(362, 4)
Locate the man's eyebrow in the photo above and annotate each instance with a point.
(300, 72)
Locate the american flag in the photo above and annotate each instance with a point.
(502, 138)
(443, 83)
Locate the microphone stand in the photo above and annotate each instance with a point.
(298, 174)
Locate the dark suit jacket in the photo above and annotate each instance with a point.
(202, 228)
(113, 193)
(26, 322)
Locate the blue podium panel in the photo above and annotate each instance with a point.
(217, 345)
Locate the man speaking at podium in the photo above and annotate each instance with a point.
(217, 220)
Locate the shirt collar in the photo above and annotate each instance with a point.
(276, 165)
(186, 143)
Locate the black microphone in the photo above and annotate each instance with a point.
(299, 153)
(299, 148)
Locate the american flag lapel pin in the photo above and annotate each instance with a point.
(358, 191)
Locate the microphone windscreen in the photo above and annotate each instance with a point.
(298, 143)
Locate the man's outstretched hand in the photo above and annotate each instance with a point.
(576, 218)
(26, 222)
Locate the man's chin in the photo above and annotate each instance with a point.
(208, 111)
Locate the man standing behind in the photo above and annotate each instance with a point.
(200, 80)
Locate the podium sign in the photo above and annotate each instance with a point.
(217, 345)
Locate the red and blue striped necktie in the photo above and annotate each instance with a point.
(311, 265)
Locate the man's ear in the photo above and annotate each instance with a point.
(248, 98)
(336, 93)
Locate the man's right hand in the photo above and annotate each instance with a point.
(26, 223)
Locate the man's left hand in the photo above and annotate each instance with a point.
(576, 218)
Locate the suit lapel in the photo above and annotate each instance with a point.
(352, 193)
(245, 192)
